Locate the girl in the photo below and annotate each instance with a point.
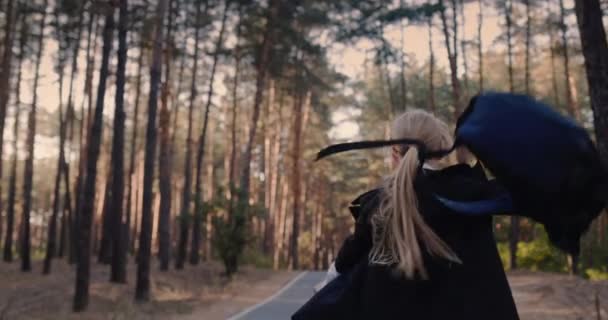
(411, 257)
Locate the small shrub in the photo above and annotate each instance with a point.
(596, 274)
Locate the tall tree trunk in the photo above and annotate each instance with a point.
(85, 125)
(552, 57)
(67, 211)
(28, 172)
(105, 246)
(274, 185)
(432, 104)
(85, 218)
(270, 133)
(180, 80)
(176, 193)
(508, 7)
(528, 44)
(386, 76)
(164, 161)
(514, 234)
(479, 44)
(235, 102)
(301, 102)
(134, 147)
(12, 189)
(595, 51)
(118, 272)
(573, 109)
(5, 77)
(52, 229)
(138, 204)
(238, 219)
(65, 221)
(463, 46)
(142, 289)
(402, 80)
(453, 60)
(199, 214)
(187, 190)
(296, 177)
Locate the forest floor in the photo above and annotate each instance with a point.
(201, 293)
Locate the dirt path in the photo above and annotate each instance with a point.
(546, 296)
(193, 293)
(539, 296)
(201, 293)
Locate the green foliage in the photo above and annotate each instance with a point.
(597, 274)
(254, 257)
(503, 252)
(540, 255)
(231, 233)
(536, 255)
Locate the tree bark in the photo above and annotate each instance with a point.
(28, 172)
(270, 133)
(134, 147)
(552, 58)
(52, 229)
(85, 125)
(12, 189)
(508, 6)
(187, 190)
(238, 220)
(432, 104)
(528, 44)
(5, 77)
(573, 109)
(85, 219)
(595, 51)
(118, 272)
(142, 289)
(164, 161)
(66, 220)
(453, 60)
(463, 49)
(199, 214)
(479, 45)
(105, 246)
(402, 79)
(235, 102)
(300, 102)
(296, 177)
(514, 231)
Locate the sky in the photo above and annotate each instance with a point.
(350, 59)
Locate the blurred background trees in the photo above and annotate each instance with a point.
(241, 94)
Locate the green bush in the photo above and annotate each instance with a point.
(541, 255)
(596, 274)
(232, 233)
(536, 255)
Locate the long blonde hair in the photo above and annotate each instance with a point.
(399, 228)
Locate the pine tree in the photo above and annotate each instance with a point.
(85, 216)
(119, 263)
(142, 289)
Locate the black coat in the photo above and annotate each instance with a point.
(476, 289)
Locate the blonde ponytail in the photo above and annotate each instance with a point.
(399, 228)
